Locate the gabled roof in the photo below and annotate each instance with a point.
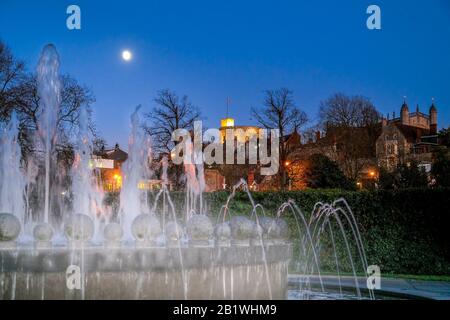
(294, 136)
(116, 154)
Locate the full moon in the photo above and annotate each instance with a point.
(126, 55)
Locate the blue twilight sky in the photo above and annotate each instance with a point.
(237, 48)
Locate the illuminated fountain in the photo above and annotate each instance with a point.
(149, 250)
(12, 207)
(133, 201)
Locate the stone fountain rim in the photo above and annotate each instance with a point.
(119, 259)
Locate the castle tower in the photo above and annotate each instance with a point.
(404, 114)
(227, 122)
(433, 119)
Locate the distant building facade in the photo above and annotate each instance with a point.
(231, 174)
(411, 137)
(399, 140)
(109, 162)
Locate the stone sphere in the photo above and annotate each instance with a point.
(43, 232)
(146, 227)
(199, 227)
(79, 227)
(9, 227)
(241, 228)
(270, 227)
(222, 231)
(113, 232)
(173, 231)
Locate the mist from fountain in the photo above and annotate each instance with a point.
(195, 180)
(87, 192)
(11, 175)
(31, 174)
(133, 199)
(167, 208)
(49, 91)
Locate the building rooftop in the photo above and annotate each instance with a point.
(115, 154)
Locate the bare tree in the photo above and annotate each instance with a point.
(99, 145)
(18, 92)
(341, 110)
(351, 122)
(73, 97)
(170, 113)
(12, 73)
(279, 111)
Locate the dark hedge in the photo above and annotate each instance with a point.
(404, 232)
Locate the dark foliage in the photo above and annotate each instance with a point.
(441, 168)
(404, 177)
(323, 173)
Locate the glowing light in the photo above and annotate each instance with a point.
(142, 186)
(227, 122)
(127, 55)
(287, 163)
(117, 184)
(372, 173)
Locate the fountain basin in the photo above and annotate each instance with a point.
(234, 272)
